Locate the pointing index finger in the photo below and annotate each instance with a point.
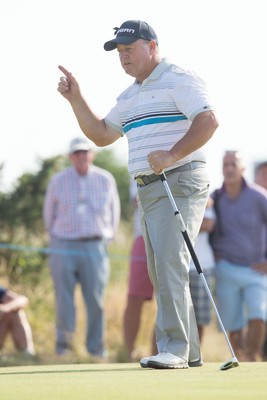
(65, 72)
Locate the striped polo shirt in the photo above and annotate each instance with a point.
(156, 114)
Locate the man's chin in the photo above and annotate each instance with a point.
(82, 171)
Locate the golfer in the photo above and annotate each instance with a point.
(167, 117)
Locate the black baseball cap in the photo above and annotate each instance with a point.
(129, 32)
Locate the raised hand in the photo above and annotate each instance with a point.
(68, 86)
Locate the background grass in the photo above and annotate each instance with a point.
(129, 381)
(41, 313)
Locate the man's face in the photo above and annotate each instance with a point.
(232, 168)
(261, 177)
(81, 160)
(136, 57)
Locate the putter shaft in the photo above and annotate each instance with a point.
(231, 363)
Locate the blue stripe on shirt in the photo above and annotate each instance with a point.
(151, 121)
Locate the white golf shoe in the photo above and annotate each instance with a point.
(163, 360)
(144, 361)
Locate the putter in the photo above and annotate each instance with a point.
(233, 362)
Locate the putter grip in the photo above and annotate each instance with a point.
(192, 252)
(162, 176)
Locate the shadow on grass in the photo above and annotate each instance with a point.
(69, 371)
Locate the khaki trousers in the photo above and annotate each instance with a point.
(168, 257)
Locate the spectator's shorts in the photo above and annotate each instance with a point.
(139, 283)
(200, 298)
(241, 294)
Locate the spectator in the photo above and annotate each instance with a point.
(81, 214)
(167, 116)
(239, 241)
(261, 174)
(140, 288)
(14, 321)
(261, 179)
(204, 252)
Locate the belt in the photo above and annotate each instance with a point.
(144, 180)
(85, 239)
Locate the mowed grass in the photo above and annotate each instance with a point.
(131, 382)
(41, 314)
(77, 378)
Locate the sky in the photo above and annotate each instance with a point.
(223, 41)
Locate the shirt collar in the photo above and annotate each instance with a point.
(163, 66)
(244, 185)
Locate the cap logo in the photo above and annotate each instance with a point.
(128, 30)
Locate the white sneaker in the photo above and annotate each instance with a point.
(144, 361)
(163, 360)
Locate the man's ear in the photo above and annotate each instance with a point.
(153, 44)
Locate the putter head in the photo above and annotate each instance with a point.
(230, 364)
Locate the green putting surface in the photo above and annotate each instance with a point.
(130, 381)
